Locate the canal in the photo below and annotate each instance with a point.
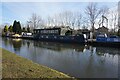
(76, 60)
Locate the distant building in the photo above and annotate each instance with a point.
(102, 29)
(84, 31)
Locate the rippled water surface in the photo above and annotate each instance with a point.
(73, 59)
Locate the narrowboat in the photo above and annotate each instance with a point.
(105, 40)
(58, 34)
(16, 36)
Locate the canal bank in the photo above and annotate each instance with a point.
(17, 67)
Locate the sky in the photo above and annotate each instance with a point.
(22, 11)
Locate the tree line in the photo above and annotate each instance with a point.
(90, 19)
(16, 28)
(93, 16)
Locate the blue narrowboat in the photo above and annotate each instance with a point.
(58, 34)
(104, 40)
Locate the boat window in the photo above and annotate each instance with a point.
(72, 37)
(61, 37)
(46, 36)
(56, 31)
(113, 36)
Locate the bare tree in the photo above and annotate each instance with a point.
(119, 18)
(104, 14)
(105, 10)
(85, 23)
(49, 21)
(92, 11)
(36, 21)
(79, 19)
(71, 19)
(118, 8)
(113, 21)
(66, 18)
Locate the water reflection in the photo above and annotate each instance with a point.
(17, 44)
(104, 50)
(59, 46)
(76, 60)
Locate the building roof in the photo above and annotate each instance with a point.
(103, 27)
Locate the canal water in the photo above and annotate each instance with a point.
(76, 60)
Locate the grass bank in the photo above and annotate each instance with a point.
(15, 66)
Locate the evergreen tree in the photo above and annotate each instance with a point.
(10, 28)
(5, 28)
(118, 32)
(23, 29)
(28, 29)
(17, 27)
(14, 26)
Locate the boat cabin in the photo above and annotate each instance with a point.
(53, 31)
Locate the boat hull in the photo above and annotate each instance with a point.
(58, 38)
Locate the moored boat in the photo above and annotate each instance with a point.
(16, 36)
(104, 40)
(57, 34)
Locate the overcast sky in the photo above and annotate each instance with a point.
(21, 11)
